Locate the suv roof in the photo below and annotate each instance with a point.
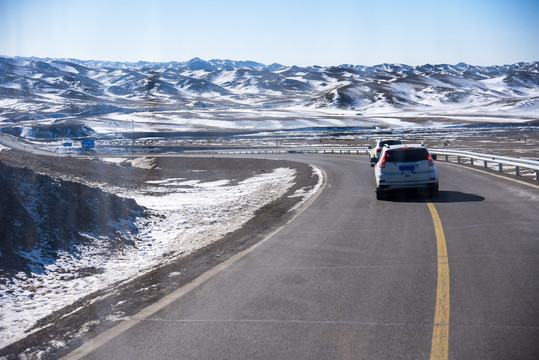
(400, 146)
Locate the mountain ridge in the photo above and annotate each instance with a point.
(44, 88)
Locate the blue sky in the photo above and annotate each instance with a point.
(288, 32)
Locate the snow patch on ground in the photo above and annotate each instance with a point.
(306, 193)
(183, 217)
(144, 163)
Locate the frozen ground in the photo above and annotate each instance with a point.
(183, 215)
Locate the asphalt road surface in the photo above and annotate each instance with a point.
(356, 278)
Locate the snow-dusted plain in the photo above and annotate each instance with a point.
(183, 216)
(39, 96)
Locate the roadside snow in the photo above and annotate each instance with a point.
(143, 163)
(184, 216)
(306, 193)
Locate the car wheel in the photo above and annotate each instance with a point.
(380, 195)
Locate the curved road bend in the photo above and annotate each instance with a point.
(356, 278)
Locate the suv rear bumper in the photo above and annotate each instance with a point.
(407, 185)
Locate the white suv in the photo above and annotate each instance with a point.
(405, 167)
(376, 149)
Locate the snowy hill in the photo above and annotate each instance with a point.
(60, 90)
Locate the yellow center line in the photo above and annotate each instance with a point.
(440, 331)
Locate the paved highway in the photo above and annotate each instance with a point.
(14, 143)
(356, 278)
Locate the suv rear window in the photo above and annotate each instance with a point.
(390, 142)
(406, 155)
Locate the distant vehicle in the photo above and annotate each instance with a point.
(376, 149)
(405, 167)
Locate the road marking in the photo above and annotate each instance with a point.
(150, 310)
(440, 331)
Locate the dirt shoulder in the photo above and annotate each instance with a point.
(65, 330)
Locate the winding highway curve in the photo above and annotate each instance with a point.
(355, 278)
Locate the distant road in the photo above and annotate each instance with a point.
(356, 278)
(14, 143)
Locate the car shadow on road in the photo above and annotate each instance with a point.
(442, 197)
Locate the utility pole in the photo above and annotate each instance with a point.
(132, 136)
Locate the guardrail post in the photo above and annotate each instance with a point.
(458, 159)
(471, 161)
(500, 167)
(517, 170)
(485, 164)
(536, 175)
(446, 158)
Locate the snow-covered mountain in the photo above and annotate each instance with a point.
(33, 89)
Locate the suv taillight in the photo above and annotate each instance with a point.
(383, 162)
(377, 150)
(431, 163)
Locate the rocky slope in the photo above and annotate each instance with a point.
(41, 216)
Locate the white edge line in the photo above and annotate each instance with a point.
(148, 311)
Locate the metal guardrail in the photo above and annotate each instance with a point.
(500, 161)
(299, 150)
